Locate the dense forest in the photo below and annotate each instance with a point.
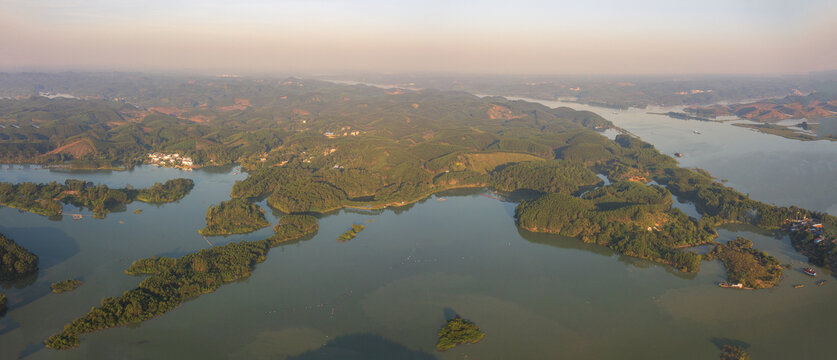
(629, 217)
(15, 261)
(554, 176)
(175, 280)
(745, 265)
(236, 216)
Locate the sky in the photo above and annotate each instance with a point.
(475, 37)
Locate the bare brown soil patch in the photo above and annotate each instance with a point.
(76, 148)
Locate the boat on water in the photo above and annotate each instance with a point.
(678, 154)
(696, 132)
(821, 283)
(797, 286)
(728, 285)
(809, 271)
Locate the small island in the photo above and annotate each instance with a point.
(170, 191)
(458, 331)
(236, 216)
(749, 267)
(350, 234)
(291, 227)
(15, 261)
(730, 352)
(65, 285)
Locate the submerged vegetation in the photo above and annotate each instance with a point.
(745, 265)
(48, 199)
(458, 331)
(175, 280)
(65, 285)
(236, 216)
(15, 261)
(351, 233)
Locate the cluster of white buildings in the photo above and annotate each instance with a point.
(344, 131)
(171, 160)
(693, 91)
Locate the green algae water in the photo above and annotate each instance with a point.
(385, 293)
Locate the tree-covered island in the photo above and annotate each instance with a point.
(15, 261)
(351, 233)
(458, 331)
(236, 216)
(48, 199)
(65, 285)
(751, 268)
(732, 352)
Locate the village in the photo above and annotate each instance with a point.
(344, 131)
(809, 225)
(171, 160)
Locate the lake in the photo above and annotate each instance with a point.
(385, 293)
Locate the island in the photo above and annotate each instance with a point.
(747, 268)
(48, 199)
(65, 285)
(173, 281)
(292, 227)
(458, 331)
(236, 216)
(15, 261)
(731, 352)
(351, 233)
(170, 191)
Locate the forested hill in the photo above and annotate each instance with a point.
(116, 120)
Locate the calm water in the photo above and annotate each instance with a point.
(388, 291)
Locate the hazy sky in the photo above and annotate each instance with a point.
(507, 37)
